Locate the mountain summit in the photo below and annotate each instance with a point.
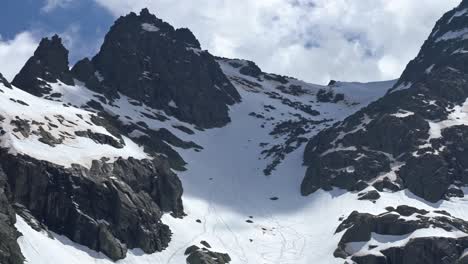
(148, 60)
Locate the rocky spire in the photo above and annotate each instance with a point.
(48, 64)
(4, 81)
(145, 58)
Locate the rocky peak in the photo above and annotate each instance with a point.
(395, 141)
(52, 55)
(446, 48)
(147, 59)
(48, 64)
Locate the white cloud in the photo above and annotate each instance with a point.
(14, 53)
(51, 5)
(313, 40)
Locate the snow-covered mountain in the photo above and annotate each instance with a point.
(156, 151)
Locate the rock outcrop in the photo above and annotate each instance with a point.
(399, 224)
(196, 255)
(109, 207)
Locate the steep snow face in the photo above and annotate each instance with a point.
(229, 201)
(56, 132)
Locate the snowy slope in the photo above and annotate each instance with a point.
(225, 186)
(23, 111)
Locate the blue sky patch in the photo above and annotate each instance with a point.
(81, 23)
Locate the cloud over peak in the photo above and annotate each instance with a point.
(313, 40)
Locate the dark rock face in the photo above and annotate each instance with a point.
(148, 60)
(369, 259)
(4, 81)
(342, 169)
(195, 255)
(427, 176)
(109, 207)
(10, 252)
(396, 134)
(49, 64)
(359, 227)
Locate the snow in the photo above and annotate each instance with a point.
(74, 149)
(146, 75)
(459, 13)
(198, 52)
(453, 35)
(391, 175)
(458, 116)
(79, 95)
(172, 104)
(402, 86)
(460, 51)
(149, 27)
(403, 114)
(429, 70)
(99, 76)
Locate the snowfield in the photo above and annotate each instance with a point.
(229, 201)
(61, 121)
(252, 217)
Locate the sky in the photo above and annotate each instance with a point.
(313, 40)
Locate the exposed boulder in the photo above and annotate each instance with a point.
(195, 255)
(370, 195)
(250, 69)
(386, 184)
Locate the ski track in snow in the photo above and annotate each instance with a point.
(224, 186)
